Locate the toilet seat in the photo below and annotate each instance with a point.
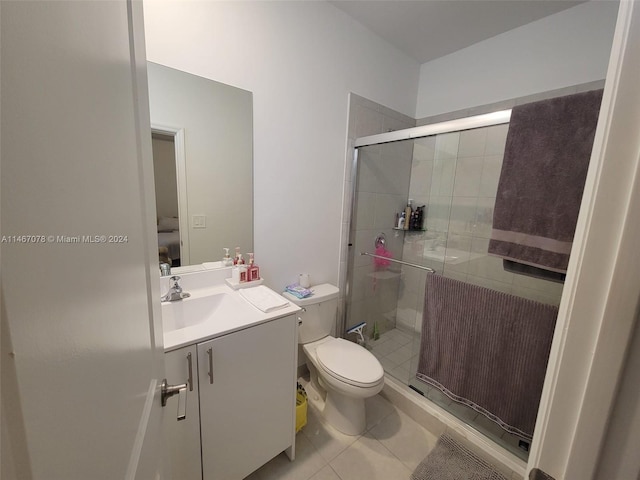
(349, 363)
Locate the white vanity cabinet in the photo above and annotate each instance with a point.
(247, 398)
(182, 437)
(244, 388)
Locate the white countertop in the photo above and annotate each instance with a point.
(237, 314)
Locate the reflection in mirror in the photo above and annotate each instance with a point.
(203, 138)
(166, 183)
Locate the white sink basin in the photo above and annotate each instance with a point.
(197, 310)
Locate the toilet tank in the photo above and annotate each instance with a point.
(319, 317)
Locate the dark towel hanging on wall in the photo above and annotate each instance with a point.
(545, 165)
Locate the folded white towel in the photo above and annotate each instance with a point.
(263, 298)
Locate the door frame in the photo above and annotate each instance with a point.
(600, 300)
(178, 135)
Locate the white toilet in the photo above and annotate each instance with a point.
(342, 371)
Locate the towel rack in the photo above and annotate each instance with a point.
(430, 270)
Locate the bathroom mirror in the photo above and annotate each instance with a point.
(202, 134)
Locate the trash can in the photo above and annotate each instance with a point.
(301, 407)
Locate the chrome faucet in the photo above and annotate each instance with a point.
(165, 269)
(175, 293)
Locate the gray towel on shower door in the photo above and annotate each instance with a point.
(540, 189)
(487, 350)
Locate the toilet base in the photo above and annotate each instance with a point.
(346, 414)
(343, 404)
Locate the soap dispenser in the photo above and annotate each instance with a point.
(226, 260)
(253, 272)
(242, 271)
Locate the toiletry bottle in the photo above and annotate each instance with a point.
(401, 221)
(235, 274)
(420, 218)
(226, 260)
(238, 260)
(414, 219)
(407, 215)
(253, 271)
(242, 270)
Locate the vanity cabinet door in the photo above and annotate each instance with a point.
(182, 437)
(247, 398)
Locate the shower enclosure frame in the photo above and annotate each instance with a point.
(460, 124)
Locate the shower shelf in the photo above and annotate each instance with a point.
(410, 229)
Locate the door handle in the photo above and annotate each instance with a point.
(167, 391)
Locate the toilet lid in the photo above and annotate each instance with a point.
(349, 362)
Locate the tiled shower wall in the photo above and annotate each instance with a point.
(382, 188)
(456, 175)
(383, 191)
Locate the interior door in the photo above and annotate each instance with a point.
(81, 337)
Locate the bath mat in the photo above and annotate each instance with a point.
(451, 461)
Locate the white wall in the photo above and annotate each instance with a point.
(565, 49)
(300, 60)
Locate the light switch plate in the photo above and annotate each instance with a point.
(199, 221)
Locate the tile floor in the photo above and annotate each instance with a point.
(391, 448)
(393, 444)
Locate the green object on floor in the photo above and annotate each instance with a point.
(376, 332)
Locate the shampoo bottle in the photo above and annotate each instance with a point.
(407, 215)
(401, 221)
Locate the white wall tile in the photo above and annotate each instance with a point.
(496, 139)
(385, 208)
(438, 212)
(484, 217)
(463, 214)
(491, 169)
(368, 121)
(364, 211)
(446, 146)
(472, 143)
(468, 177)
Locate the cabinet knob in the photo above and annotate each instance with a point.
(167, 391)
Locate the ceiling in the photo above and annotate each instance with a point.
(428, 29)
